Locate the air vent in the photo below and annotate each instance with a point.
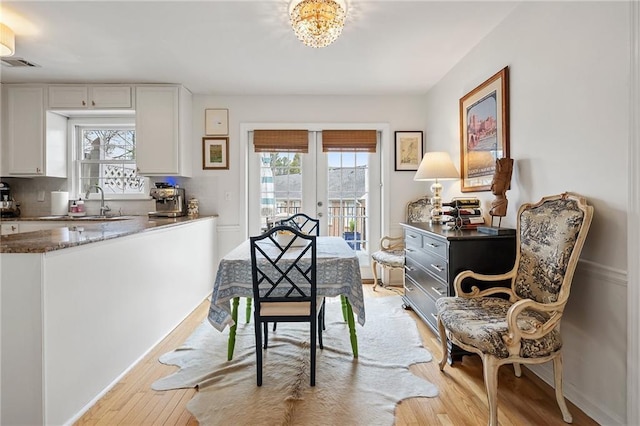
(17, 62)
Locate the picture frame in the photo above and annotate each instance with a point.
(216, 122)
(484, 131)
(215, 153)
(408, 150)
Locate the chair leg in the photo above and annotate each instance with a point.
(374, 270)
(557, 373)
(321, 324)
(443, 343)
(490, 370)
(265, 326)
(517, 370)
(258, 333)
(312, 373)
(231, 344)
(343, 301)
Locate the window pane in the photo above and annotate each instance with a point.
(112, 178)
(108, 144)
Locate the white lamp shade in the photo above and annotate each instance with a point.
(436, 166)
(7, 41)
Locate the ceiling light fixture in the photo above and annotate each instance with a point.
(317, 23)
(7, 41)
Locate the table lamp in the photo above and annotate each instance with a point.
(436, 166)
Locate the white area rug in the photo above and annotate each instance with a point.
(348, 391)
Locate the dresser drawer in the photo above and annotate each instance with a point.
(421, 303)
(434, 245)
(412, 239)
(429, 261)
(435, 287)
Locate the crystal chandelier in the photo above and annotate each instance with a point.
(317, 23)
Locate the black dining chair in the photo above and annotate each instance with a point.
(303, 223)
(283, 262)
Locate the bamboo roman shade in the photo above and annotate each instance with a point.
(281, 141)
(349, 140)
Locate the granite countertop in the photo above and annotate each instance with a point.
(84, 231)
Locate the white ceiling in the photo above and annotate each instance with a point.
(244, 47)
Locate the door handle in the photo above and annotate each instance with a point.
(319, 214)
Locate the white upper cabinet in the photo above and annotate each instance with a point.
(163, 130)
(36, 139)
(73, 96)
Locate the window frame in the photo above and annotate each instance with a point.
(75, 127)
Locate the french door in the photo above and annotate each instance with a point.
(342, 189)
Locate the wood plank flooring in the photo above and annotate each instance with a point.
(462, 399)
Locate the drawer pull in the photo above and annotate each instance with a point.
(409, 250)
(407, 288)
(408, 268)
(437, 267)
(435, 317)
(433, 245)
(437, 290)
(412, 236)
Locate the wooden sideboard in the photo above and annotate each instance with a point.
(435, 256)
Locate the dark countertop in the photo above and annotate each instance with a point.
(83, 231)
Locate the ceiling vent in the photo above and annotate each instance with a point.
(12, 61)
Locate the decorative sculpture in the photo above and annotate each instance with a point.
(499, 185)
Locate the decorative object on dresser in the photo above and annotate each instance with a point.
(391, 253)
(408, 150)
(436, 166)
(484, 131)
(525, 328)
(434, 257)
(499, 185)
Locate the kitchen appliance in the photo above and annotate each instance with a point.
(170, 200)
(9, 207)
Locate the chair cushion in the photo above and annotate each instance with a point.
(391, 258)
(481, 322)
(285, 308)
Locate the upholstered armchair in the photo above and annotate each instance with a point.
(391, 252)
(525, 328)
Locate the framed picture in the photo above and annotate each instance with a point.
(408, 150)
(215, 153)
(484, 131)
(216, 122)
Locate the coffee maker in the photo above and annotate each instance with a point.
(170, 200)
(8, 206)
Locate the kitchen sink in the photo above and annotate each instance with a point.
(96, 218)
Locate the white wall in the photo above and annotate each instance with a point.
(569, 106)
(400, 112)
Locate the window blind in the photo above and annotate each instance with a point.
(349, 140)
(281, 141)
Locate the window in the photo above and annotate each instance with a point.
(105, 155)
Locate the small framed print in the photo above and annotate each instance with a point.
(216, 122)
(408, 150)
(215, 153)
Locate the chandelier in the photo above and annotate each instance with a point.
(317, 23)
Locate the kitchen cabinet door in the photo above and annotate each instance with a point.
(36, 139)
(163, 123)
(90, 97)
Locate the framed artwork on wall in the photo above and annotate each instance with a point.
(216, 122)
(215, 153)
(408, 150)
(484, 131)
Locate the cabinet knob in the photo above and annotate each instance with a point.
(93, 103)
(13, 227)
(84, 103)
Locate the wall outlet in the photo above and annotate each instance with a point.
(40, 195)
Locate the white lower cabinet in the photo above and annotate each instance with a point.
(9, 228)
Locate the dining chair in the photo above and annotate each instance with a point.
(303, 223)
(525, 328)
(284, 288)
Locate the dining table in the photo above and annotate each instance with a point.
(338, 275)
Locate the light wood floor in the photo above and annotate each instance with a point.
(462, 399)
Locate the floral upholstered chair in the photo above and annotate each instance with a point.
(391, 253)
(525, 328)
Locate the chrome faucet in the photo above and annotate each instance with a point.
(103, 209)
